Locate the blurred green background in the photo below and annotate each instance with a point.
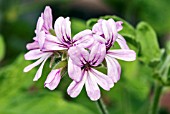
(20, 95)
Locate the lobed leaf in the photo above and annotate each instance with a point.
(149, 48)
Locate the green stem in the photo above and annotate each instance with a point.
(155, 100)
(101, 106)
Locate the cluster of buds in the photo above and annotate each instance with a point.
(80, 55)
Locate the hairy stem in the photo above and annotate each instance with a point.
(156, 97)
(101, 106)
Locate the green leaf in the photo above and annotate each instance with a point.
(60, 64)
(2, 48)
(77, 25)
(149, 48)
(42, 102)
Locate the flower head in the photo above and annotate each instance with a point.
(108, 30)
(84, 52)
(81, 69)
(62, 39)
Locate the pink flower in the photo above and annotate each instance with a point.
(108, 30)
(80, 69)
(63, 40)
(43, 25)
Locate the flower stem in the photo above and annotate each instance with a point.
(101, 106)
(155, 100)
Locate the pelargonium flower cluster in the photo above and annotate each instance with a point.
(83, 53)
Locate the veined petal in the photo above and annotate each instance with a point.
(123, 54)
(58, 28)
(113, 31)
(97, 54)
(31, 66)
(122, 42)
(53, 79)
(34, 54)
(103, 80)
(75, 88)
(81, 34)
(39, 72)
(74, 71)
(113, 69)
(66, 23)
(68, 28)
(33, 45)
(78, 55)
(92, 88)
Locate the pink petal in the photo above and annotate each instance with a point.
(31, 66)
(39, 24)
(58, 28)
(122, 42)
(68, 27)
(66, 23)
(47, 15)
(75, 88)
(119, 25)
(112, 24)
(39, 72)
(99, 39)
(97, 28)
(81, 34)
(111, 30)
(103, 80)
(52, 38)
(113, 69)
(33, 45)
(53, 79)
(92, 88)
(34, 54)
(78, 55)
(41, 38)
(105, 30)
(35, 38)
(52, 46)
(123, 54)
(74, 71)
(85, 42)
(97, 54)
